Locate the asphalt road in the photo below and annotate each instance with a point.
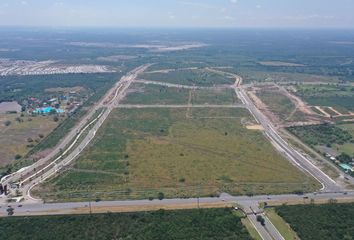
(249, 203)
(293, 155)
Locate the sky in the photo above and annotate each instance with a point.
(179, 13)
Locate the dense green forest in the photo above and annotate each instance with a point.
(183, 224)
(322, 222)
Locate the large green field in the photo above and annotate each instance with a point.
(181, 153)
(198, 77)
(214, 96)
(155, 94)
(164, 225)
(322, 222)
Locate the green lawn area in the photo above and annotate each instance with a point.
(322, 222)
(164, 225)
(139, 153)
(198, 77)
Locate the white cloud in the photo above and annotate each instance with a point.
(233, 1)
(230, 18)
(171, 16)
(200, 5)
(58, 3)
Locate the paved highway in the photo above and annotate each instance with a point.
(296, 158)
(245, 201)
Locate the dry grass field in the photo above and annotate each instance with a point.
(14, 137)
(139, 153)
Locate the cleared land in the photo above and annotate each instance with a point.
(140, 153)
(196, 224)
(328, 221)
(198, 77)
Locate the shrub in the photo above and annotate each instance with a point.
(261, 220)
(160, 195)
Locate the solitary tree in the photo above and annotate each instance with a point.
(7, 123)
(160, 195)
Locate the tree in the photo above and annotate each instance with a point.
(18, 156)
(52, 112)
(10, 211)
(55, 119)
(344, 158)
(261, 220)
(7, 123)
(160, 195)
(18, 119)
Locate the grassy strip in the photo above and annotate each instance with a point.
(284, 228)
(253, 232)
